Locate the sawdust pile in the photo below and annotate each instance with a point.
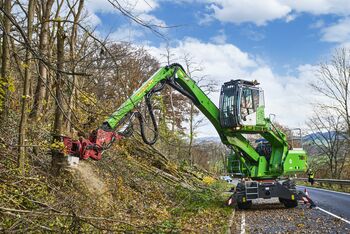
(92, 181)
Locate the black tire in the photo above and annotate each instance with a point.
(289, 184)
(244, 205)
(289, 203)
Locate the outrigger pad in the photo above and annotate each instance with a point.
(231, 201)
(306, 199)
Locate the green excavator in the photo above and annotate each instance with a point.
(240, 114)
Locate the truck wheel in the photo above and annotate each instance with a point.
(244, 205)
(289, 203)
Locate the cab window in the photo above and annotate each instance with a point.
(249, 101)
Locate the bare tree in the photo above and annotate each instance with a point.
(127, 9)
(5, 63)
(58, 122)
(168, 56)
(39, 94)
(72, 53)
(331, 117)
(328, 140)
(26, 86)
(334, 83)
(208, 87)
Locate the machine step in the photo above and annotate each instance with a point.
(251, 190)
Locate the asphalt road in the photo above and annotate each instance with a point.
(334, 202)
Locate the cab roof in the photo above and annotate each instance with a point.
(244, 82)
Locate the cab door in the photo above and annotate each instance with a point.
(250, 101)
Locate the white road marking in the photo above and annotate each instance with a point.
(243, 223)
(325, 190)
(335, 216)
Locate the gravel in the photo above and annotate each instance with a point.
(270, 216)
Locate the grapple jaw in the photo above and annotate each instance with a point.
(93, 147)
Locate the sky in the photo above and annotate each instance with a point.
(280, 43)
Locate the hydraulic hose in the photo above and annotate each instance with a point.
(171, 81)
(153, 119)
(173, 84)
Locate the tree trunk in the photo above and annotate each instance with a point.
(57, 157)
(331, 167)
(5, 65)
(72, 55)
(49, 82)
(43, 71)
(26, 84)
(191, 135)
(172, 111)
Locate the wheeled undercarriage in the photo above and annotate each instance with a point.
(285, 190)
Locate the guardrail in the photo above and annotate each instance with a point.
(326, 181)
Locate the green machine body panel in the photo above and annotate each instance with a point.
(296, 161)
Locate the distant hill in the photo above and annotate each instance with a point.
(323, 136)
(207, 140)
(313, 143)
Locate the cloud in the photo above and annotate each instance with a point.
(152, 20)
(258, 12)
(339, 32)
(135, 7)
(204, 19)
(126, 33)
(219, 38)
(288, 97)
(139, 6)
(318, 24)
(211, 56)
(132, 32)
(99, 6)
(252, 34)
(261, 12)
(140, 9)
(91, 19)
(291, 17)
(320, 7)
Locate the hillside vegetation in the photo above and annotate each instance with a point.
(59, 77)
(132, 189)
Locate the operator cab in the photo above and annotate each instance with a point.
(241, 104)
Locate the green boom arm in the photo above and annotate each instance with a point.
(175, 76)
